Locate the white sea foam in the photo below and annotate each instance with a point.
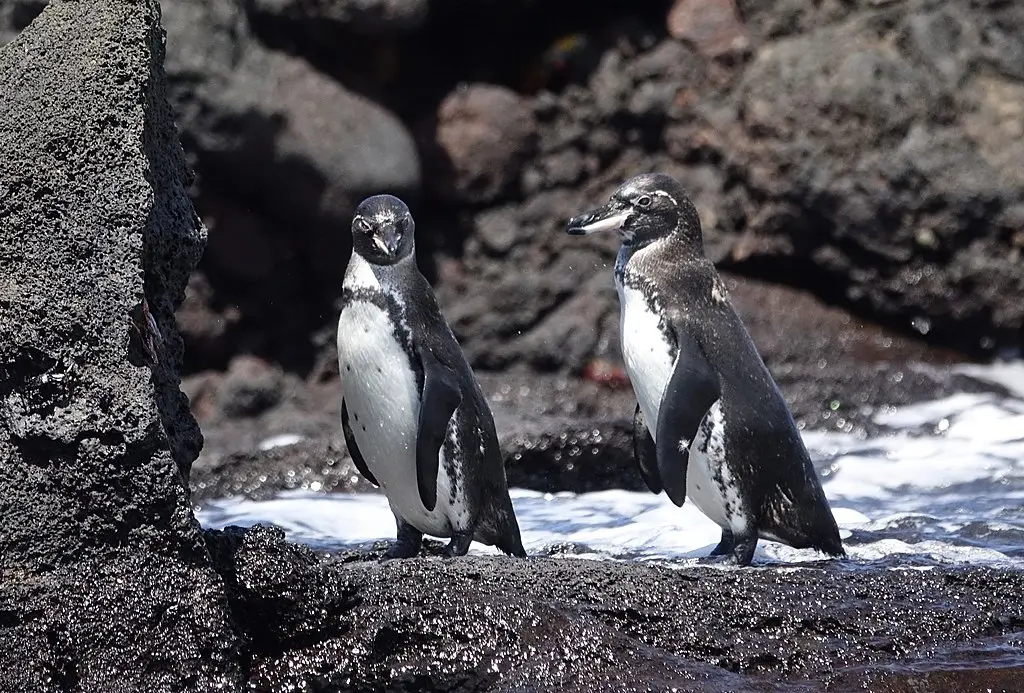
(946, 485)
(280, 441)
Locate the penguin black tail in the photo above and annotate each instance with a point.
(503, 529)
(831, 544)
(512, 544)
(814, 528)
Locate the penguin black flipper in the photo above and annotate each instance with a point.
(645, 452)
(690, 393)
(441, 397)
(353, 449)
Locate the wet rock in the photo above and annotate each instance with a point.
(283, 596)
(483, 623)
(483, 135)
(106, 583)
(305, 465)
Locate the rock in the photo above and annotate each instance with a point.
(106, 582)
(249, 387)
(205, 326)
(374, 17)
(283, 154)
(483, 135)
(712, 26)
(284, 595)
(320, 465)
(866, 165)
(546, 624)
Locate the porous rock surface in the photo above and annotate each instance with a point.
(544, 624)
(105, 581)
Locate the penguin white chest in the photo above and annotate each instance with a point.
(649, 364)
(383, 401)
(645, 351)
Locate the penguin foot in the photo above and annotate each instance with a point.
(738, 552)
(407, 545)
(458, 546)
(726, 546)
(717, 559)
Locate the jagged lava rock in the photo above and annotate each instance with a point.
(105, 582)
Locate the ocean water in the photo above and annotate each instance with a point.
(943, 483)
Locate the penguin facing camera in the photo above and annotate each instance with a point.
(414, 418)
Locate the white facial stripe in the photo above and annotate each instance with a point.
(662, 193)
(612, 223)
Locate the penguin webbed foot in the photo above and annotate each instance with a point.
(740, 552)
(407, 545)
(726, 545)
(458, 546)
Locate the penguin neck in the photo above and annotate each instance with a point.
(647, 258)
(363, 274)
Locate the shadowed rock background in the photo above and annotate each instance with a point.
(865, 154)
(855, 165)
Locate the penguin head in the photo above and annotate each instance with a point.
(382, 230)
(644, 209)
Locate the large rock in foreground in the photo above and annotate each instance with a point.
(541, 624)
(105, 582)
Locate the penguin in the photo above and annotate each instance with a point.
(710, 423)
(414, 418)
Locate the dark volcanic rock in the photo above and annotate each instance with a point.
(322, 465)
(105, 582)
(872, 157)
(283, 154)
(483, 135)
(544, 624)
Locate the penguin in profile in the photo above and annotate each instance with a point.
(710, 422)
(415, 420)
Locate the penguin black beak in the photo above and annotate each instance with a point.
(387, 240)
(606, 218)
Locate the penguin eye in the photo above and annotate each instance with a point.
(363, 225)
(643, 201)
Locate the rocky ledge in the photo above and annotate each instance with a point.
(347, 623)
